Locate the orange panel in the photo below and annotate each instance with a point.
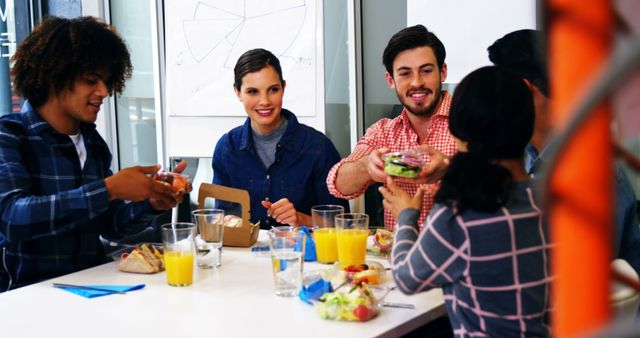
(580, 209)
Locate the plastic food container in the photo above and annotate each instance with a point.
(406, 164)
(373, 273)
(177, 181)
(380, 243)
(351, 303)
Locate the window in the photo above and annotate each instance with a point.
(135, 108)
(15, 24)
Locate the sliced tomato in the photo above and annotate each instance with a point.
(353, 268)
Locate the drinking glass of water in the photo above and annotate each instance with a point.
(210, 223)
(287, 246)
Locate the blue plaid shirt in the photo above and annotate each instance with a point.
(52, 212)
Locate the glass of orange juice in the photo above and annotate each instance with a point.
(324, 231)
(352, 232)
(179, 252)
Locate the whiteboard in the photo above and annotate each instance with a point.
(205, 38)
(468, 27)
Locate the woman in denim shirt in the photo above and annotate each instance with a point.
(281, 162)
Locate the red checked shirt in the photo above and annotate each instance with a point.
(397, 135)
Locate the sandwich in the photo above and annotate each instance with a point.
(232, 221)
(143, 259)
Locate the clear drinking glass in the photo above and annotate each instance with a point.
(287, 246)
(179, 252)
(324, 231)
(210, 224)
(353, 230)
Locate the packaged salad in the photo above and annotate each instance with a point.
(404, 163)
(354, 303)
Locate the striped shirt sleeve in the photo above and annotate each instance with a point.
(431, 258)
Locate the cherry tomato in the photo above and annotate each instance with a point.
(363, 312)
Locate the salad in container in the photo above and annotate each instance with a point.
(406, 164)
(357, 302)
(380, 243)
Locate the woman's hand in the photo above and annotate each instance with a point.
(282, 211)
(433, 172)
(396, 199)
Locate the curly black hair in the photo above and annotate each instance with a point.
(59, 51)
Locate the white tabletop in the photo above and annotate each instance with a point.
(234, 301)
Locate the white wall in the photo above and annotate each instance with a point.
(468, 27)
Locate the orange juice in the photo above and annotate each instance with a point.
(179, 266)
(352, 246)
(326, 245)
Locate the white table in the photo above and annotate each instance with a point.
(234, 301)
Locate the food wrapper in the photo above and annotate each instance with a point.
(243, 235)
(315, 290)
(310, 246)
(177, 181)
(381, 242)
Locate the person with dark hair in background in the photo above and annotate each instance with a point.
(415, 69)
(485, 241)
(523, 53)
(281, 162)
(57, 192)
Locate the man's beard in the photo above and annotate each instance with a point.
(427, 111)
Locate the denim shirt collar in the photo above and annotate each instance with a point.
(537, 159)
(287, 140)
(531, 158)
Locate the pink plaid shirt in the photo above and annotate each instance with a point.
(397, 135)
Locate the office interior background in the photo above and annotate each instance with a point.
(143, 126)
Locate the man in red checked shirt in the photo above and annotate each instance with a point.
(415, 69)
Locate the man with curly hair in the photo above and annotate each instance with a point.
(57, 192)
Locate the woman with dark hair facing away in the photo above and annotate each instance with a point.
(485, 242)
(281, 162)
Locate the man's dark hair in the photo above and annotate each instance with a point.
(410, 38)
(252, 61)
(523, 53)
(59, 51)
